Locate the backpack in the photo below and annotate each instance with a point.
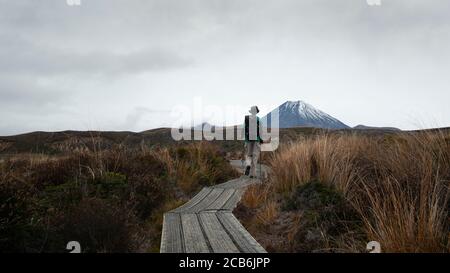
(247, 130)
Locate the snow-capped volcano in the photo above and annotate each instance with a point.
(302, 114)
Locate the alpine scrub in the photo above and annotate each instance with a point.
(108, 200)
(335, 193)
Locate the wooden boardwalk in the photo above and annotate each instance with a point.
(206, 224)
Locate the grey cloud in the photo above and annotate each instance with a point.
(341, 56)
(39, 61)
(27, 92)
(138, 113)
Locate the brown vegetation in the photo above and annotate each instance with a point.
(338, 192)
(110, 200)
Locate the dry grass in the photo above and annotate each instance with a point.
(115, 197)
(268, 213)
(254, 196)
(326, 158)
(197, 165)
(398, 184)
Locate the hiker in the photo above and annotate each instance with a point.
(253, 141)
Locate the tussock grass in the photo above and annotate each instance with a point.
(398, 184)
(254, 196)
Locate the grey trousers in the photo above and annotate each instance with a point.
(253, 150)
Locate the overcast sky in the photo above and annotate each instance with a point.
(125, 64)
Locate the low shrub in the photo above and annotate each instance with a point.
(109, 200)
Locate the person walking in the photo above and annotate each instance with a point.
(253, 141)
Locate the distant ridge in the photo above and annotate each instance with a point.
(364, 127)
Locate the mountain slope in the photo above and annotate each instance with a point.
(364, 127)
(301, 114)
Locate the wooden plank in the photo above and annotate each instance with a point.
(206, 223)
(205, 202)
(218, 238)
(221, 200)
(242, 238)
(237, 183)
(233, 200)
(194, 201)
(171, 238)
(194, 241)
(262, 169)
(227, 185)
(248, 182)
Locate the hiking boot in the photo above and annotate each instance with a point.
(247, 170)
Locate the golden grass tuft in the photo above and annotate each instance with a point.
(398, 184)
(254, 196)
(268, 213)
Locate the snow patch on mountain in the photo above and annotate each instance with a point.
(302, 114)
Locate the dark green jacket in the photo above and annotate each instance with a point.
(259, 135)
